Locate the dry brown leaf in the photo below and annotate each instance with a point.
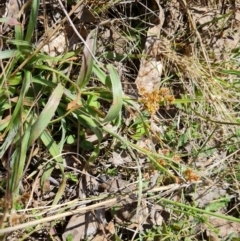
(147, 215)
(99, 237)
(56, 45)
(73, 105)
(111, 228)
(114, 185)
(149, 75)
(204, 195)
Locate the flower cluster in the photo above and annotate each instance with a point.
(152, 100)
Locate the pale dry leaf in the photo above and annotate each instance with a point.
(128, 211)
(150, 70)
(85, 225)
(111, 227)
(173, 18)
(205, 195)
(120, 158)
(202, 15)
(114, 185)
(81, 226)
(225, 228)
(155, 216)
(149, 75)
(148, 214)
(56, 45)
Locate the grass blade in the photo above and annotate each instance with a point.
(47, 114)
(54, 150)
(32, 20)
(87, 62)
(117, 92)
(7, 54)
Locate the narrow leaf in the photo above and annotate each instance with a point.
(7, 54)
(87, 61)
(32, 20)
(54, 150)
(117, 92)
(47, 114)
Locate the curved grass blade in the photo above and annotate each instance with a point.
(101, 76)
(47, 114)
(117, 92)
(87, 59)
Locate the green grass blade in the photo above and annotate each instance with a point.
(22, 43)
(32, 20)
(18, 32)
(101, 76)
(14, 124)
(54, 150)
(117, 92)
(17, 164)
(87, 61)
(47, 114)
(91, 123)
(7, 54)
(230, 71)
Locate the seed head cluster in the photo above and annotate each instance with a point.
(152, 100)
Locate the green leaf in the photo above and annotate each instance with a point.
(14, 124)
(216, 205)
(20, 43)
(32, 20)
(7, 54)
(70, 139)
(117, 92)
(86, 145)
(87, 61)
(47, 114)
(101, 76)
(55, 153)
(231, 71)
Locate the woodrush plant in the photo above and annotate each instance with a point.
(37, 98)
(44, 94)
